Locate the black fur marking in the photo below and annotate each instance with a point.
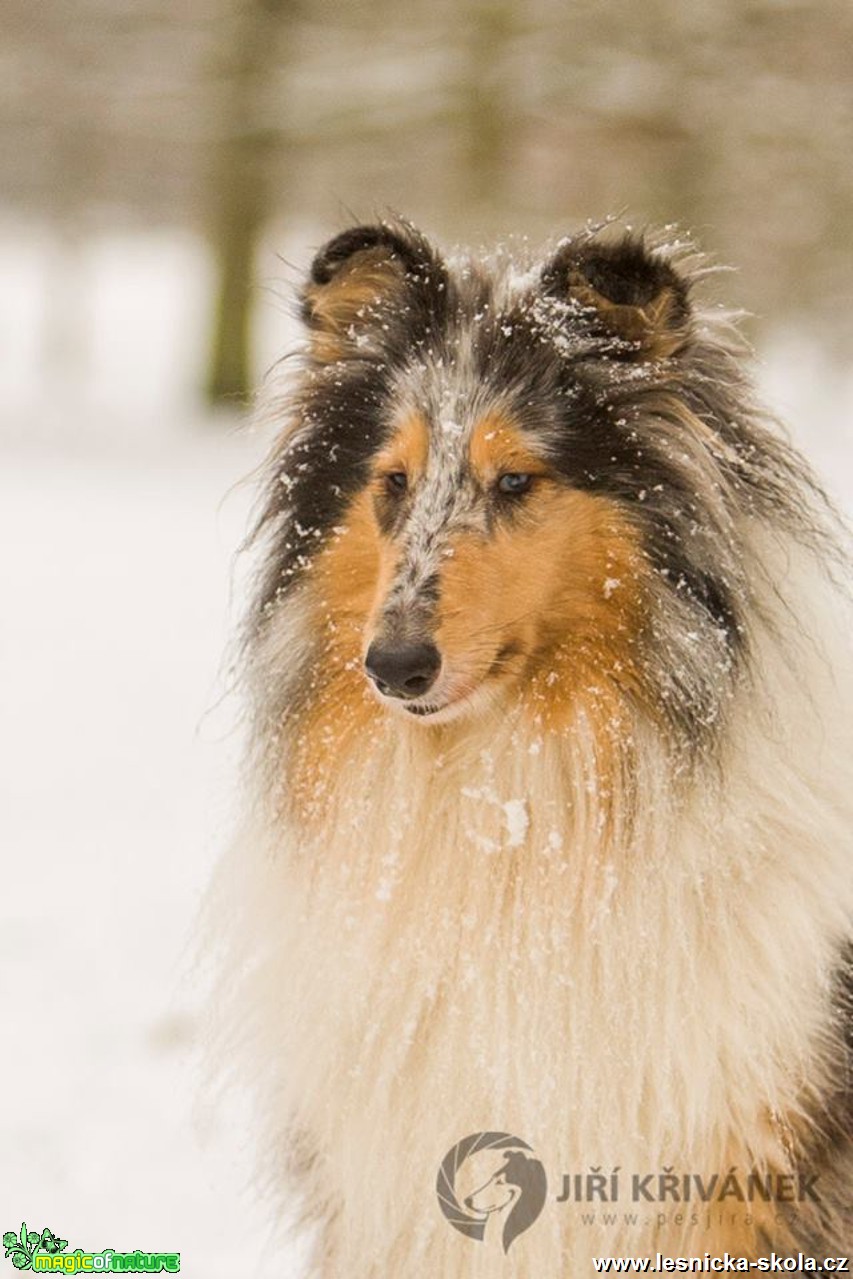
(413, 253)
(841, 1103)
(625, 273)
(429, 589)
(326, 464)
(392, 510)
(829, 1156)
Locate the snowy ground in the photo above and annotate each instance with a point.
(116, 761)
(116, 771)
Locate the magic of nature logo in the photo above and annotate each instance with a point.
(45, 1251)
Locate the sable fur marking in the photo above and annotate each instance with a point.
(592, 885)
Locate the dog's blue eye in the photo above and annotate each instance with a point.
(397, 482)
(514, 483)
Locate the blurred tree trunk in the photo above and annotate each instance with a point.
(75, 158)
(241, 196)
(485, 100)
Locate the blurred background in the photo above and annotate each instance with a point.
(167, 171)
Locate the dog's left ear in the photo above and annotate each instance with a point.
(627, 291)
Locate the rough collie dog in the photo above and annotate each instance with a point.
(546, 843)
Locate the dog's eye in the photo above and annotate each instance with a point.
(396, 482)
(514, 483)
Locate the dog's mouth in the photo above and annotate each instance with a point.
(451, 699)
(441, 711)
(434, 709)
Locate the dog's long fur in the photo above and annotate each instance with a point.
(593, 886)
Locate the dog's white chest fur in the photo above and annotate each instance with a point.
(464, 944)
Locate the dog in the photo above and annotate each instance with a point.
(547, 797)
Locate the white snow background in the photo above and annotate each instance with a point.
(118, 532)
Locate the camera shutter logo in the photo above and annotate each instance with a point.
(513, 1195)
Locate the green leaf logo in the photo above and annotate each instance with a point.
(21, 1248)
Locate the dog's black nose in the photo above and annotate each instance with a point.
(402, 670)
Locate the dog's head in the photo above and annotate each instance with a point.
(499, 479)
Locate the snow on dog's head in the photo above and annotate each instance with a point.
(504, 482)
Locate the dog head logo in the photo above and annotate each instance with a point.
(508, 1188)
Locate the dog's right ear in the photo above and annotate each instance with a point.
(357, 280)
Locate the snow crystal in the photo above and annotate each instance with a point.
(517, 821)
(610, 585)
